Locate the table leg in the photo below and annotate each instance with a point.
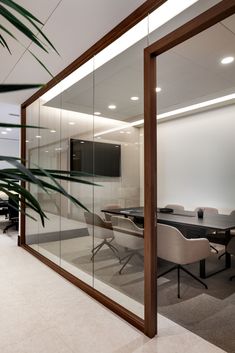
(203, 268)
(227, 260)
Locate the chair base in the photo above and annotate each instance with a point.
(128, 258)
(13, 224)
(213, 248)
(110, 246)
(224, 253)
(178, 268)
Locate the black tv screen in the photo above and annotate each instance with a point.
(97, 158)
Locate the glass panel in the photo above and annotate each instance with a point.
(49, 158)
(196, 169)
(76, 225)
(118, 164)
(32, 158)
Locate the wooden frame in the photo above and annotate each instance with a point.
(200, 23)
(139, 14)
(217, 13)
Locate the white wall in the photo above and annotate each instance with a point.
(196, 160)
(9, 144)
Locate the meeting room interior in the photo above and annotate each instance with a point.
(95, 128)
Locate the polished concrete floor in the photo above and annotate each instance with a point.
(41, 312)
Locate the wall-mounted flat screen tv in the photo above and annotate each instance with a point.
(101, 159)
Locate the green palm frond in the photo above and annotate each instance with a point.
(14, 14)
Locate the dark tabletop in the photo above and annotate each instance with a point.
(178, 217)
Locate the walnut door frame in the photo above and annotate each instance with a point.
(207, 19)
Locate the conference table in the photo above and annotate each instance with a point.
(220, 223)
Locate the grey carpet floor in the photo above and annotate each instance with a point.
(208, 313)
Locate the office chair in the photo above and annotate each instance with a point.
(209, 234)
(128, 235)
(175, 207)
(174, 247)
(107, 215)
(13, 213)
(232, 234)
(102, 230)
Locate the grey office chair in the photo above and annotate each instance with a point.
(175, 207)
(102, 230)
(231, 250)
(232, 234)
(210, 234)
(108, 215)
(174, 247)
(128, 235)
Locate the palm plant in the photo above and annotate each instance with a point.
(11, 178)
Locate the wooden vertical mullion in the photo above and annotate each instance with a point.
(150, 196)
(21, 238)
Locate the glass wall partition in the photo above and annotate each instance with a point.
(94, 127)
(195, 115)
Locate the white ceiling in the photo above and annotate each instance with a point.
(189, 73)
(72, 25)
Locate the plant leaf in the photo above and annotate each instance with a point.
(20, 10)
(16, 87)
(5, 43)
(22, 126)
(21, 27)
(40, 62)
(6, 30)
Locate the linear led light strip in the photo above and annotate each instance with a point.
(157, 18)
(187, 109)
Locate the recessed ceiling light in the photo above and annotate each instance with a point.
(122, 132)
(46, 151)
(158, 89)
(227, 60)
(71, 123)
(134, 98)
(98, 137)
(53, 131)
(97, 113)
(82, 142)
(8, 129)
(38, 137)
(26, 141)
(112, 106)
(3, 132)
(128, 132)
(58, 149)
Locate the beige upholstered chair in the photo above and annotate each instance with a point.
(175, 207)
(209, 234)
(208, 210)
(107, 215)
(232, 234)
(128, 235)
(102, 230)
(231, 250)
(174, 247)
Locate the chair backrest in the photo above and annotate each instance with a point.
(13, 207)
(174, 247)
(97, 226)
(107, 215)
(208, 210)
(175, 207)
(231, 246)
(127, 233)
(232, 213)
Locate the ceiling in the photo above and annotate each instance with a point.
(189, 73)
(72, 25)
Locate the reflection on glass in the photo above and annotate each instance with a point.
(195, 112)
